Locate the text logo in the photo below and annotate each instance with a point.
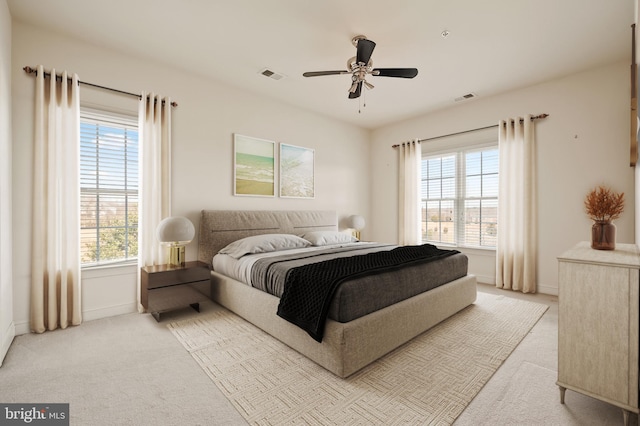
(34, 414)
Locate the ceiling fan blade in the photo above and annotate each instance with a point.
(395, 72)
(321, 73)
(356, 93)
(365, 50)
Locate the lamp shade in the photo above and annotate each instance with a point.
(176, 230)
(355, 222)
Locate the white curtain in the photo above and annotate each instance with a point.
(410, 156)
(55, 263)
(154, 204)
(517, 221)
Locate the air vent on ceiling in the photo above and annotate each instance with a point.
(271, 74)
(466, 97)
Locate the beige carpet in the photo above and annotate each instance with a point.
(429, 380)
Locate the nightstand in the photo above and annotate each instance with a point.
(164, 287)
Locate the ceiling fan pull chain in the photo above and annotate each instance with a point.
(364, 99)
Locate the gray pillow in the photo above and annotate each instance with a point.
(323, 238)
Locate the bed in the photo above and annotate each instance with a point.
(361, 337)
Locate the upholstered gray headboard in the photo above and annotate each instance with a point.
(221, 227)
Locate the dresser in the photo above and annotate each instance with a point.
(598, 305)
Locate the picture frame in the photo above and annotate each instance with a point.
(635, 118)
(297, 171)
(253, 166)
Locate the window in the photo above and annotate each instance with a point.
(459, 197)
(108, 188)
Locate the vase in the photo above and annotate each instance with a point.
(603, 235)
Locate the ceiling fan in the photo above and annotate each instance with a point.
(361, 65)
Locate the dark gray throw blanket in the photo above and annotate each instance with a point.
(269, 274)
(308, 289)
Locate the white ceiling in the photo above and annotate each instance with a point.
(493, 46)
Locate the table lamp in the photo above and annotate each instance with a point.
(176, 232)
(356, 222)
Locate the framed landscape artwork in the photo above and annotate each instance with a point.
(297, 172)
(254, 166)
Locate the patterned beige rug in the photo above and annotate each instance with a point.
(429, 380)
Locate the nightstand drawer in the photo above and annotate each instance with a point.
(167, 298)
(163, 276)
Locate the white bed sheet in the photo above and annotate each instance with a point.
(240, 269)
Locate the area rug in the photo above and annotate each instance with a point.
(429, 380)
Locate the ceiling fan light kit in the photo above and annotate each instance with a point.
(361, 65)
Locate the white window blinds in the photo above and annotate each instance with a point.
(108, 187)
(459, 197)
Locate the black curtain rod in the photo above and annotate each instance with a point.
(535, 117)
(30, 70)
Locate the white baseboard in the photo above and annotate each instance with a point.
(541, 288)
(7, 338)
(94, 314)
(110, 311)
(547, 289)
(22, 328)
(486, 279)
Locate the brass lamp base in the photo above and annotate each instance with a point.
(176, 256)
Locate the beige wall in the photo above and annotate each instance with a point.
(584, 143)
(7, 329)
(203, 124)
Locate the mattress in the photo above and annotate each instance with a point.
(355, 297)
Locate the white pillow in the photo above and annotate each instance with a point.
(264, 244)
(323, 238)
